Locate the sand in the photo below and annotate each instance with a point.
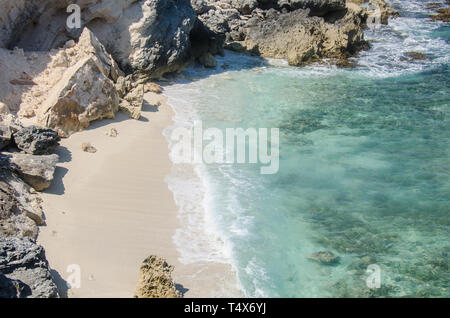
(107, 211)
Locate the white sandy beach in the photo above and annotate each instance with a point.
(109, 210)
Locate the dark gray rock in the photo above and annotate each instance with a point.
(37, 140)
(12, 288)
(316, 7)
(201, 6)
(20, 207)
(5, 136)
(24, 269)
(245, 6)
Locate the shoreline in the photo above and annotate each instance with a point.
(108, 227)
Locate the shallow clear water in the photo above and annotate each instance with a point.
(364, 169)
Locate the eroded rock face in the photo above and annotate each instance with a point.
(316, 7)
(5, 136)
(147, 36)
(155, 280)
(383, 10)
(85, 94)
(302, 40)
(301, 31)
(36, 140)
(443, 14)
(86, 91)
(24, 270)
(37, 171)
(19, 199)
(132, 103)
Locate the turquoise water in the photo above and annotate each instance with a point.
(364, 169)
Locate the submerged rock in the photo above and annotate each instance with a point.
(416, 55)
(155, 280)
(443, 14)
(24, 270)
(37, 140)
(324, 257)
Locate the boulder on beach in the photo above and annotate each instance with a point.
(132, 103)
(86, 91)
(24, 270)
(155, 279)
(35, 170)
(36, 140)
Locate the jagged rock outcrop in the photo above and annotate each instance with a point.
(155, 280)
(18, 200)
(86, 91)
(24, 270)
(379, 11)
(301, 31)
(37, 171)
(152, 37)
(301, 39)
(442, 14)
(13, 220)
(36, 140)
(132, 103)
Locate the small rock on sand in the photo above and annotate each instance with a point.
(112, 132)
(154, 88)
(87, 147)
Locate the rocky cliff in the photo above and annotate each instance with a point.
(301, 31)
(24, 270)
(143, 36)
